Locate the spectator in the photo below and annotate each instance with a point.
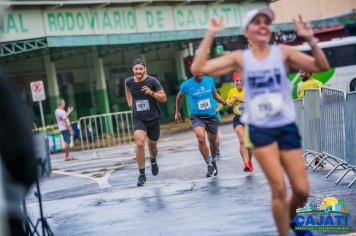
(64, 126)
(308, 83)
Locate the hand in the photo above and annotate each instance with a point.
(70, 109)
(237, 99)
(229, 103)
(178, 117)
(71, 132)
(303, 29)
(146, 90)
(216, 25)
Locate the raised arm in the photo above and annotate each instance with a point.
(70, 109)
(298, 60)
(216, 66)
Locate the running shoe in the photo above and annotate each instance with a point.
(141, 180)
(246, 168)
(215, 167)
(300, 232)
(210, 171)
(154, 166)
(250, 165)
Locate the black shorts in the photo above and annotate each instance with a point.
(287, 136)
(236, 121)
(210, 123)
(151, 127)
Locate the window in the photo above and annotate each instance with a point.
(344, 55)
(340, 56)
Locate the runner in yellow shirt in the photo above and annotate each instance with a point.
(235, 98)
(308, 83)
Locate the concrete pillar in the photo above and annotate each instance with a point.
(52, 83)
(181, 75)
(102, 93)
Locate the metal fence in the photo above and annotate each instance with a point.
(311, 132)
(298, 104)
(332, 122)
(106, 130)
(350, 123)
(327, 123)
(350, 133)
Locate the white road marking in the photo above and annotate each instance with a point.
(103, 182)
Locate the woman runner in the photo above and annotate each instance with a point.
(269, 110)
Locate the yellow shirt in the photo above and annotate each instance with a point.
(313, 83)
(238, 106)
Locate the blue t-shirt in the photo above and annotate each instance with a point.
(200, 96)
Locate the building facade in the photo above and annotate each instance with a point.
(83, 50)
(286, 10)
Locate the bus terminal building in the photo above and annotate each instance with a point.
(83, 50)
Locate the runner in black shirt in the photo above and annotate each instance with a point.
(143, 92)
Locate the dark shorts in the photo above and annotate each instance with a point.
(66, 136)
(151, 127)
(236, 121)
(286, 136)
(210, 123)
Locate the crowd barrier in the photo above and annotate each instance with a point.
(300, 118)
(311, 121)
(106, 130)
(350, 134)
(326, 119)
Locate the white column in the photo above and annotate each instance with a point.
(101, 87)
(52, 83)
(52, 80)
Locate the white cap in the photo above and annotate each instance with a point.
(253, 13)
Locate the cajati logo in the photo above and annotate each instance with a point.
(323, 214)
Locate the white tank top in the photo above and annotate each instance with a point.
(268, 98)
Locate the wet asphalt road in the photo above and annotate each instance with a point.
(97, 195)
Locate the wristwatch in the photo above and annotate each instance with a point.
(153, 93)
(224, 103)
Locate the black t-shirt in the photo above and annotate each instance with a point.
(144, 107)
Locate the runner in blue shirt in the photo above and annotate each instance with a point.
(202, 98)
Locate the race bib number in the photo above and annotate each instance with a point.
(240, 108)
(142, 105)
(204, 104)
(266, 105)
